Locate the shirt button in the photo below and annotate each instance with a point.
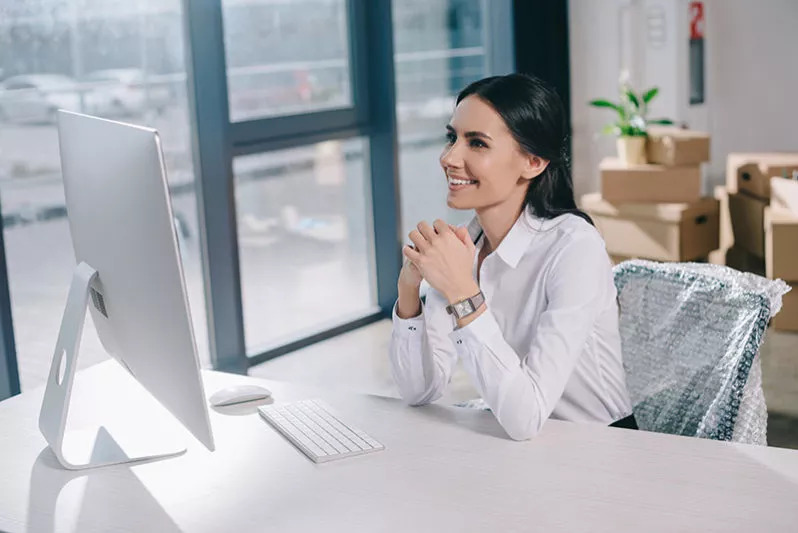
(412, 328)
(459, 341)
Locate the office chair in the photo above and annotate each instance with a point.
(690, 336)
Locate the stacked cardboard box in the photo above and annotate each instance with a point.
(672, 175)
(784, 193)
(748, 183)
(655, 211)
(781, 261)
(658, 231)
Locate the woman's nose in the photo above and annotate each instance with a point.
(450, 157)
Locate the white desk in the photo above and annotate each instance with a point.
(444, 469)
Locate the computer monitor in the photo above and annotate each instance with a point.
(130, 276)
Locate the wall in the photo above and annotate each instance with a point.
(755, 78)
(752, 79)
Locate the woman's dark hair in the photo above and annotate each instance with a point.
(535, 117)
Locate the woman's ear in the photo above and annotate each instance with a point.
(534, 166)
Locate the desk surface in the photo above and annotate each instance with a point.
(444, 469)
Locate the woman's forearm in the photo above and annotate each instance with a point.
(409, 303)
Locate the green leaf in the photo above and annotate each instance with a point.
(605, 103)
(663, 121)
(650, 94)
(633, 98)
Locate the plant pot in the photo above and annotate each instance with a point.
(632, 150)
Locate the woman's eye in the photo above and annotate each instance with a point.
(476, 143)
(451, 138)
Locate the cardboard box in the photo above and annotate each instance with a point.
(737, 159)
(649, 183)
(784, 194)
(744, 261)
(718, 257)
(787, 318)
(726, 237)
(752, 172)
(662, 232)
(676, 147)
(748, 222)
(781, 244)
(726, 231)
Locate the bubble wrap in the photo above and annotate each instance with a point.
(690, 334)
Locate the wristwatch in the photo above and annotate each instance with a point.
(463, 308)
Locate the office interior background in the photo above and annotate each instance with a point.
(302, 137)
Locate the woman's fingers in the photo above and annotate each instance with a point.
(411, 255)
(462, 234)
(419, 242)
(426, 230)
(441, 227)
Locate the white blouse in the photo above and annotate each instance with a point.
(546, 346)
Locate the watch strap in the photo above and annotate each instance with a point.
(467, 306)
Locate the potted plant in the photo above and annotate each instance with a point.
(631, 123)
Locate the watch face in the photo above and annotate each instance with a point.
(463, 308)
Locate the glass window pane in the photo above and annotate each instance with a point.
(286, 56)
(112, 58)
(439, 49)
(304, 235)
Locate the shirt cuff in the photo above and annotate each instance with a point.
(483, 336)
(408, 325)
(479, 331)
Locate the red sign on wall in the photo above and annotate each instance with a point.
(696, 20)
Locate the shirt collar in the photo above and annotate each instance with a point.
(517, 240)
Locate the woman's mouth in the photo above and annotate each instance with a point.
(456, 184)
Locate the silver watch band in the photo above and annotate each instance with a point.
(463, 308)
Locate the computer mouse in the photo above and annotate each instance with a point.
(238, 394)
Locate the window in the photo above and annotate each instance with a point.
(286, 57)
(137, 49)
(439, 49)
(284, 92)
(304, 230)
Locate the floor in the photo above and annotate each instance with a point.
(358, 361)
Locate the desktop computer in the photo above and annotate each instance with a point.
(130, 277)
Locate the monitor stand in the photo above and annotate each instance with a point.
(80, 449)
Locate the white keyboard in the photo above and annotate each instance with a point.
(314, 428)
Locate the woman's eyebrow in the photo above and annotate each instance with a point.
(470, 133)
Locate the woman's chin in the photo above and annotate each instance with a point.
(457, 203)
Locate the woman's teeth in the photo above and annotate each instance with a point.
(460, 182)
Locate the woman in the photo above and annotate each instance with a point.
(524, 295)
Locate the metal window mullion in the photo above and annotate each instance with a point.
(307, 124)
(374, 42)
(9, 371)
(284, 143)
(212, 154)
(499, 38)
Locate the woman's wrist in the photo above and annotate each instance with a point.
(461, 292)
(409, 302)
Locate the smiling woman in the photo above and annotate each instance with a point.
(528, 283)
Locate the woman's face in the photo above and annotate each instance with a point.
(483, 163)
